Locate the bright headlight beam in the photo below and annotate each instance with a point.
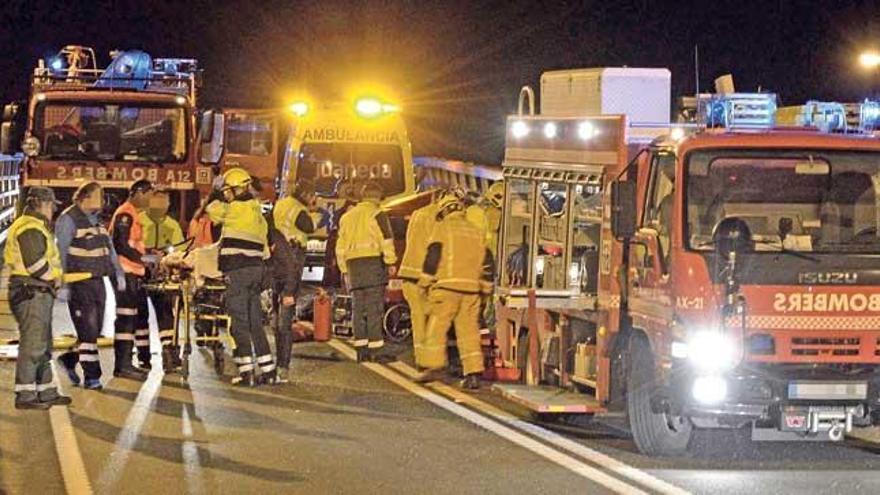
(711, 350)
(519, 129)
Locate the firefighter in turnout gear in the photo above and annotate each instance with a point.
(366, 257)
(293, 223)
(486, 214)
(34, 275)
(456, 271)
(132, 323)
(243, 249)
(87, 256)
(162, 232)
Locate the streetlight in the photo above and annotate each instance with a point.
(869, 60)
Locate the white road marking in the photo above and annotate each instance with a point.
(130, 432)
(190, 455)
(73, 469)
(575, 465)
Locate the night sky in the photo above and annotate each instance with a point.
(457, 66)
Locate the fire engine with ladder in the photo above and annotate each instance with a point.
(720, 273)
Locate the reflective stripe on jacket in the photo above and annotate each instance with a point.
(160, 235)
(286, 211)
(456, 258)
(243, 240)
(89, 250)
(135, 239)
(418, 232)
(46, 269)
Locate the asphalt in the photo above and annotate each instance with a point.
(340, 427)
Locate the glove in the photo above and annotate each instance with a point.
(64, 294)
(120, 282)
(216, 195)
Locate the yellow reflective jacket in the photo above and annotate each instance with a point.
(285, 213)
(418, 232)
(159, 235)
(362, 236)
(457, 258)
(48, 268)
(488, 220)
(244, 235)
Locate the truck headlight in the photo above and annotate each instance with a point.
(709, 350)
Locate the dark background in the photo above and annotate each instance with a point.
(457, 66)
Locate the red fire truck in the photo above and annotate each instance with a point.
(721, 275)
(134, 119)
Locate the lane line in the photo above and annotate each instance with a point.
(73, 469)
(607, 462)
(575, 465)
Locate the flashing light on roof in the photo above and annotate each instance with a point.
(180, 100)
(299, 108)
(869, 60)
(519, 129)
(56, 63)
(586, 131)
(550, 130)
(372, 107)
(739, 110)
(677, 134)
(869, 115)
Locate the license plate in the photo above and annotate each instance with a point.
(813, 390)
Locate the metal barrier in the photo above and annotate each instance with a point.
(440, 172)
(10, 170)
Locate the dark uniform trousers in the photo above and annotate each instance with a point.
(163, 304)
(287, 286)
(86, 304)
(132, 323)
(243, 289)
(368, 280)
(32, 309)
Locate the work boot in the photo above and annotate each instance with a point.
(471, 382)
(175, 357)
(31, 404)
(68, 361)
(168, 364)
(244, 379)
(381, 358)
(429, 375)
(58, 400)
(130, 373)
(282, 375)
(93, 384)
(268, 378)
(363, 354)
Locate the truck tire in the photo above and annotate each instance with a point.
(654, 433)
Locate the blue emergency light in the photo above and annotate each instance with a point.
(739, 110)
(869, 115)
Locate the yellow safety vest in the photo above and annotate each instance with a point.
(12, 252)
(462, 254)
(488, 220)
(361, 237)
(243, 239)
(285, 213)
(159, 235)
(421, 225)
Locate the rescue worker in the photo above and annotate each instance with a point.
(35, 274)
(162, 232)
(200, 228)
(87, 256)
(293, 223)
(346, 192)
(457, 269)
(486, 214)
(366, 258)
(132, 323)
(243, 247)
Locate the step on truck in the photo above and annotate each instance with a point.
(716, 274)
(134, 119)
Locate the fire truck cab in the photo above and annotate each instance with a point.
(722, 275)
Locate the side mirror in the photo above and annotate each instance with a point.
(623, 209)
(11, 129)
(211, 146)
(7, 142)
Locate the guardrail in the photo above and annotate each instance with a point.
(10, 173)
(440, 172)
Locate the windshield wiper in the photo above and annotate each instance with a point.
(785, 250)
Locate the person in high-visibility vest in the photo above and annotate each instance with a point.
(201, 230)
(486, 214)
(293, 223)
(346, 191)
(35, 273)
(132, 323)
(162, 232)
(87, 256)
(366, 257)
(243, 249)
(456, 270)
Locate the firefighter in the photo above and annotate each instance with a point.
(457, 269)
(35, 274)
(366, 258)
(293, 223)
(346, 192)
(162, 232)
(243, 249)
(132, 323)
(87, 256)
(486, 214)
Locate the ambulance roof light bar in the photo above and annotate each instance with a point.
(738, 110)
(830, 116)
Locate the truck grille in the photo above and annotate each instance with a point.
(826, 346)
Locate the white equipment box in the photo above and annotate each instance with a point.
(642, 94)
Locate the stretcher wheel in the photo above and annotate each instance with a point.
(397, 323)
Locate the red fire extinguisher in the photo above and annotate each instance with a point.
(321, 312)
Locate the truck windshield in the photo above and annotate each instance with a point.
(124, 132)
(330, 164)
(807, 201)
